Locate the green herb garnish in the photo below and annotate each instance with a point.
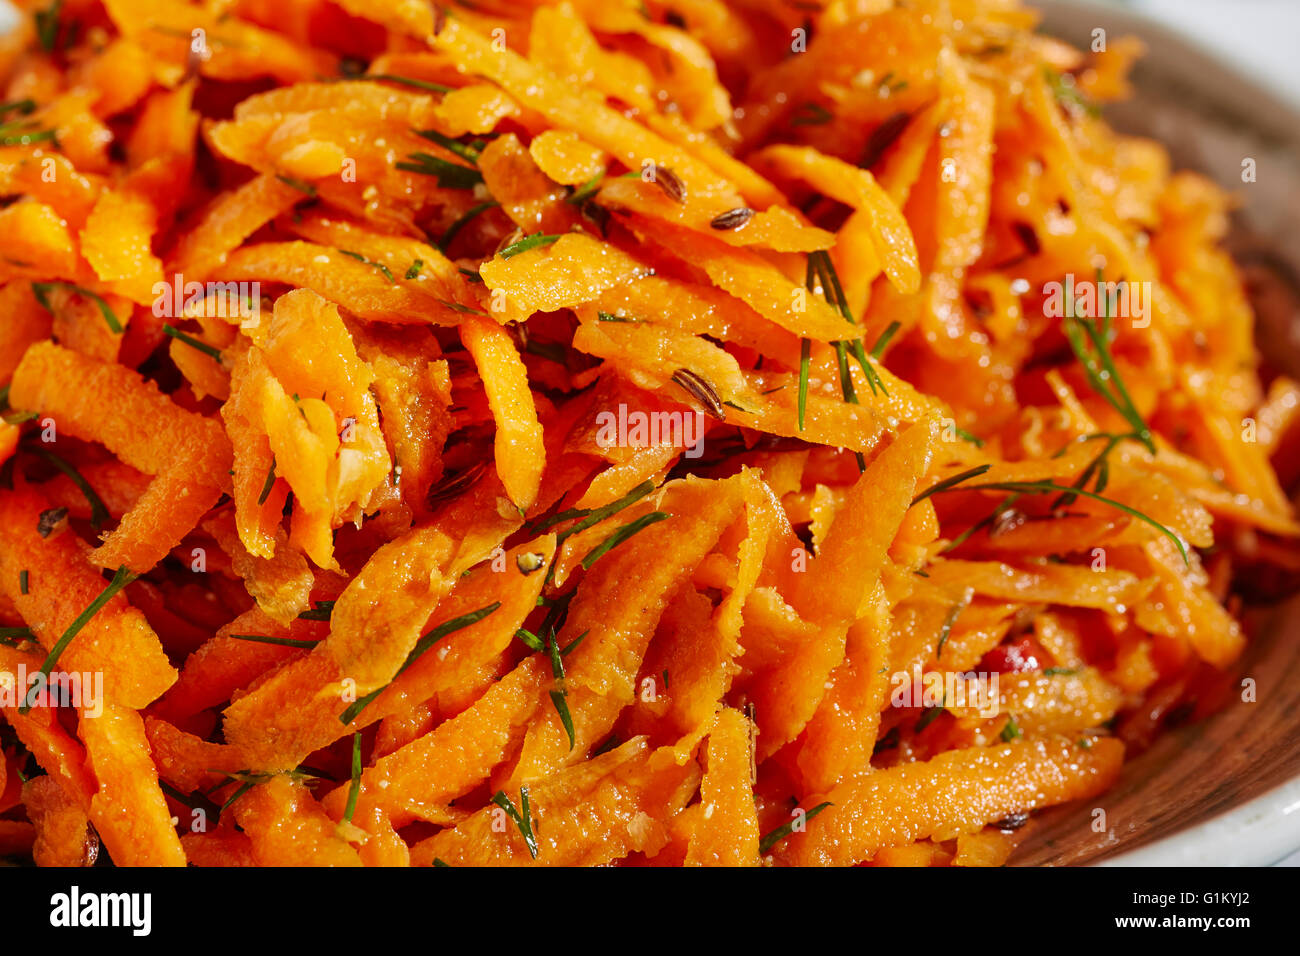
(929, 717)
(523, 820)
(559, 695)
(42, 292)
(298, 184)
(573, 644)
(822, 269)
(805, 353)
(586, 190)
(1047, 487)
(621, 535)
(378, 266)
(192, 342)
(886, 336)
(26, 137)
(785, 829)
(457, 307)
(1051, 487)
(47, 25)
(121, 579)
(251, 778)
(1010, 730)
(811, 114)
(354, 788)
(266, 639)
(98, 510)
(467, 153)
(426, 642)
(593, 517)
(536, 240)
(1103, 376)
(1068, 93)
(951, 482)
(268, 484)
(946, 629)
(404, 81)
(531, 640)
(449, 175)
(463, 221)
(321, 612)
(24, 107)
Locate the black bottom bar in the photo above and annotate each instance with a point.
(263, 907)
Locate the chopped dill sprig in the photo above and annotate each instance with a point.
(1048, 487)
(454, 229)
(47, 25)
(811, 114)
(98, 510)
(594, 516)
(421, 646)
(321, 612)
(1104, 378)
(210, 350)
(805, 354)
(886, 336)
(269, 483)
(1010, 730)
(951, 482)
(531, 640)
(267, 639)
(449, 175)
(121, 579)
(464, 151)
(822, 268)
(559, 693)
(403, 81)
(378, 266)
(42, 292)
(523, 817)
(535, 241)
(621, 535)
(1068, 93)
(354, 787)
(946, 630)
(305, 188)
(785, 829)
(586, 190)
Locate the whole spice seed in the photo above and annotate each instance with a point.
(732, 218)
(702, 391)
(667, 180)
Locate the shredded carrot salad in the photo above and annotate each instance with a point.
(667, 432)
